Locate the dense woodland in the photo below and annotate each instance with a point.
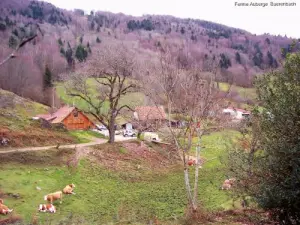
(67, 39)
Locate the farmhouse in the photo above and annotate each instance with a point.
(70, 117)
(236, 113)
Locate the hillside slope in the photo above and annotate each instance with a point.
(17, 126)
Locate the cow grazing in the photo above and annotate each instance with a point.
(47, 208)
(227, 184)
(4, 209)
(191, 162)
(54, 196)
(69, 189)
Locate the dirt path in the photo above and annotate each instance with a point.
(95, 142)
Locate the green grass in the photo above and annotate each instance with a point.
(85, 136)
(131, 99)
(104, 195)
(213, 172)
(18, 115)
(248, 93)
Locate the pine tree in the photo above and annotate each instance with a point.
(47, 78)
(98, 40)
(81, 53)
(89, 48)
(62, 51)
(238, 58)
(60, 42)
(182, 30)
(12, 42)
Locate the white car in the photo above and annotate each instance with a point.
(101, 127)
(129, 133)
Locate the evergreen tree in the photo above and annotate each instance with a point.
(182, 30)
(238, 58)
(12, 42)
(47, 78)
(270, 59)
(69, 55)
(278, 164)
(98, 40)
(60, 42)
(15, 32)
(81, 53)
(89, 48)
(224, 61)
(62, 51)
(92, 25)
(2, 26)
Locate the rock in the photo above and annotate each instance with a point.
(16, 195)
(4, 141)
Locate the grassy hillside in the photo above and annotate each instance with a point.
(16, 123)
(120, 183)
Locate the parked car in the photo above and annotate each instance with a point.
(101, 127)
(129, 133)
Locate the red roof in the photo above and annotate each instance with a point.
(59, 115)
(150, 113)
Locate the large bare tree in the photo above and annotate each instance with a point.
(187, 93)
(110, 74)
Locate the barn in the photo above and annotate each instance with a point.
(71, 117)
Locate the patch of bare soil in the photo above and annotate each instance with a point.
(130, 156)
(245, 217)
(34, 137)
(13, 219)
(49, 157)
(79, 153)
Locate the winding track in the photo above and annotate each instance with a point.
(96, 141)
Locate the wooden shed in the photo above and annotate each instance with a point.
(70, 117)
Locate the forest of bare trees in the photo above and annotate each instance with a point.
(72, 37)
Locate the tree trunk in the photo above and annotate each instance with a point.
(111, 130)
(192, 203)
(195, 198)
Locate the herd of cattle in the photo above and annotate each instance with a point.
(50, 198)
(69, 189)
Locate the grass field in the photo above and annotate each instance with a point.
(249, 93)
(213, 172)
(131, 99)
(85, 136)
(104, 195)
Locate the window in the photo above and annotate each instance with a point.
(75, 113)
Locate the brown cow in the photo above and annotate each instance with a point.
(4, 209)
(54, 196)
(69, 189)
(191, 162)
